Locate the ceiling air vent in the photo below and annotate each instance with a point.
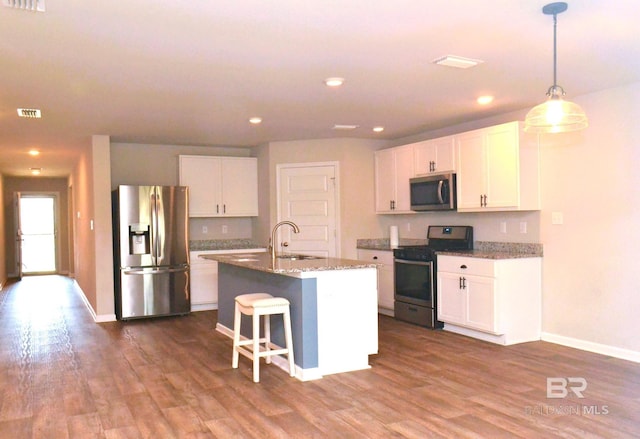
(344, 127)
(30, 113)
(459, 62)
(27, 5)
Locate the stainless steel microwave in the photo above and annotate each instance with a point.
(433, 192)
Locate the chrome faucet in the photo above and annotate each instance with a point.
(272, 240)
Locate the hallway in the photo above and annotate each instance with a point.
(64, 376)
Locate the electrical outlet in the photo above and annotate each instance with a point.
(205, 230)
(225, 229)
(557, 218)
(523, 227)
(503, 227)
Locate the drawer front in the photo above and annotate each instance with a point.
(417, 315)
(376, 256)
(475, 266)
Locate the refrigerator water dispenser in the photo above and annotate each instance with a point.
(139, 242)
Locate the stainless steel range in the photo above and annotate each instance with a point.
(415, 270)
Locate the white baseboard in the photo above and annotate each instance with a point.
(102, 318)
(203, 306)
(612, 351)
(308, 374)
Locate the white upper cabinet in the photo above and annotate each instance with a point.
(435, 156)
(393, 169)
(220, 186)
(498, 169)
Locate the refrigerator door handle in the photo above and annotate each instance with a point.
(142, 271)
(154, 222)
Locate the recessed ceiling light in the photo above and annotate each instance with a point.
(36, 171)
(32, 113)
(378, 129)
(345, 127)
(255, 120)
(34, 152)
(334, 82)
(457, 61)
(484, 100)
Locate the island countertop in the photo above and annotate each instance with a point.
(299, 268)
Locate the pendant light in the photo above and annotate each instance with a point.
(555, 115)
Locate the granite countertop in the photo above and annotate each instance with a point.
(223, 244)
(481, 249)
(384, 243)
(296, 268)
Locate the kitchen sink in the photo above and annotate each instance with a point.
(294, 257)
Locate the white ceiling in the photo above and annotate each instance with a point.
(193, 72)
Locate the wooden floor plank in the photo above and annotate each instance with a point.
(64, 376)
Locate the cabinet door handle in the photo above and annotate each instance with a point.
(463, 266)
(481, 200)
(460, 283)
(485, 201)
(224, 208)
(217, 208)
(464, 283)
(375, 258)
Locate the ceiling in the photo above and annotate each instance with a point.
(194, 72)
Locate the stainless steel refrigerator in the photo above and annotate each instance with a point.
(151, 251)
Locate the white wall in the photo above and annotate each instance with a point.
(591, 275)
(3, 227)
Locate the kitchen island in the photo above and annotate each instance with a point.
(334, 305)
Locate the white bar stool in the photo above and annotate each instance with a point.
(257, 305)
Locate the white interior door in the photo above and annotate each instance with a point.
(308, 196)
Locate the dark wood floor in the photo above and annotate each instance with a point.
(64, 376)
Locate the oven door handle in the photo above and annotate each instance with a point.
(405, 261)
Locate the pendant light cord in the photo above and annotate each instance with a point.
(555, 55)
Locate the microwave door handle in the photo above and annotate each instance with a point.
(440, 184)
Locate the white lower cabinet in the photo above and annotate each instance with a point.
(204, 277)
(497, 300)
(385, 277)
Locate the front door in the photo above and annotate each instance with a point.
(36, 233)
(308, 196)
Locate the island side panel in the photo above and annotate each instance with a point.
(347, 319)
(301, 293)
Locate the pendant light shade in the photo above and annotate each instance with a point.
(556, 115)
